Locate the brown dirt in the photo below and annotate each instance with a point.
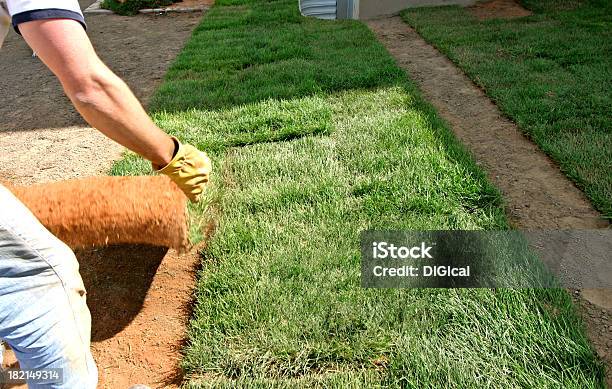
(139, 296)
(46, 155)
(537, 194)
(192, 4)
(139, 49)
(140, 299)
(101, 211)
(499, 9)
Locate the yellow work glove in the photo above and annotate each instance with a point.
(189, 169)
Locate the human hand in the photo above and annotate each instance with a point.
(189, 169)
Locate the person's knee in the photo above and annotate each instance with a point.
(60, 258)
(66, 268)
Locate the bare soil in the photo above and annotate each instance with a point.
(139, 296)
(537, 194)
(140, 300)
(139, 49)
(498, 9)
(191, 4)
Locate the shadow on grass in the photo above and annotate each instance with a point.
(267, 50)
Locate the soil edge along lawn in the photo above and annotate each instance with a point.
(317, 135)
(549, 72)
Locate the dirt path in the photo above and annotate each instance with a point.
(139, 297)
(33, 106)
(537, 194)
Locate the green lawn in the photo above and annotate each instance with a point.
(316, 135)
(551, 73)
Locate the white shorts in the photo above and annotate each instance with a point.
(22, 11)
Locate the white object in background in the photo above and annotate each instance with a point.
(5, 22)
(321, 9)
(1, 353)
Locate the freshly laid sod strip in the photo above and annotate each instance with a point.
(550, 73)
(316, 135)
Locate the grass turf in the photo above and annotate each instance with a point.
(317, 135)
(550, 72)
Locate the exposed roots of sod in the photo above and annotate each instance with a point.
(537, 194)
(102, 211)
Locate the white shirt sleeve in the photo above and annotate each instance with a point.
(18, 6)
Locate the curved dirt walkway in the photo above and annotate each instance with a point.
(537, 194)
(139, 297)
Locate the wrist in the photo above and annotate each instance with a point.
(169, 153)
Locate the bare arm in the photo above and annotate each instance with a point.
(101, 97)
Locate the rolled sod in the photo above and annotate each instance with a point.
(101, 211)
